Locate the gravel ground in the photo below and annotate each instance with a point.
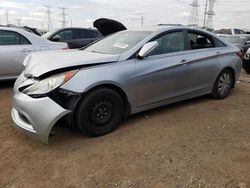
(196, 143)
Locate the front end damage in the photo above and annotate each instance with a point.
(36, 116)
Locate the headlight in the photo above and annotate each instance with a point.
(49, 84)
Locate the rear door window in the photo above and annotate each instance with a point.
(66, 35)
(82, 34)
(12, 38)
(200, 41)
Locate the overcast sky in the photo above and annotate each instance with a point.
(229, 13)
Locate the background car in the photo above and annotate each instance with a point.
(75, 37)
(15, 45)
(230, 31)
(125, 73)
(246, 61)
(242, 41)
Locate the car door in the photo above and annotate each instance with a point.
(13, 49)
(203, 59)
(164, 74)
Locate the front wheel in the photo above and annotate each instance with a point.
(99, 112)
(223, 84)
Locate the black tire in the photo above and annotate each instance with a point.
(99, 112)
(247, 71)
(223, 84)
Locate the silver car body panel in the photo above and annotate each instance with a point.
(12, 56)
(30, 116)
(148, 83)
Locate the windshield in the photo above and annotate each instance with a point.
(235, 39)
(118, 43)
(46, 35)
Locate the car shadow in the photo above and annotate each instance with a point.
(7, 84)
(63, 134)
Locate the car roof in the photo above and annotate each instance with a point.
(7, 28)
(66, 28)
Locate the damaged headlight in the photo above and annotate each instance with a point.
(49, 84)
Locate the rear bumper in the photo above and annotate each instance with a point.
(36, 117)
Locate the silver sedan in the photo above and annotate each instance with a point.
(123, 74)
(15, 45)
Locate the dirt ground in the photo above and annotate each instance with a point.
(196, 143)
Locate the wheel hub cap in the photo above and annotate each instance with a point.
(225, 84)
(101, 112)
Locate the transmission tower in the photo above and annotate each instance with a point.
(210, 14)
(194, 14)
(49, 16)
(64, 22)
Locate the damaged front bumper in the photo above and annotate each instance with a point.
(35, 116)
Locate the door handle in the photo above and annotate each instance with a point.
(184, 61)
(25, 50)
(217, 53)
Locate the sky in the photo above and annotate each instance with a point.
(229, 13)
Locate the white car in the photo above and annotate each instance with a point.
(15, 45)
(230, 31)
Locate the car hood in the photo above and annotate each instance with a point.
(40, 63)
(108, 26)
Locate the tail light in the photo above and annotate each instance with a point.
(240, 54)
(65, 48)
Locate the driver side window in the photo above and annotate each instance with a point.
(168, 43)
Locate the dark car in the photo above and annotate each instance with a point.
(243, 42)
(75, 37)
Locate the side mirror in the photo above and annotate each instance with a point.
(248, 42)
(56, 38)
(147, 48)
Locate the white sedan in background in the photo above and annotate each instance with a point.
(15, 45)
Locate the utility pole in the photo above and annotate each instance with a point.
(63, 9)
(42, 25)
(142, 21)
(194, 14)
(49, 16)
(7, 17)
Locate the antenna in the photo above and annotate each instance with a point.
(63, 9)
(194, 14)
(49, 16)
(209, 14)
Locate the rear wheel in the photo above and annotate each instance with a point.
(223, 84)
(99, 112)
